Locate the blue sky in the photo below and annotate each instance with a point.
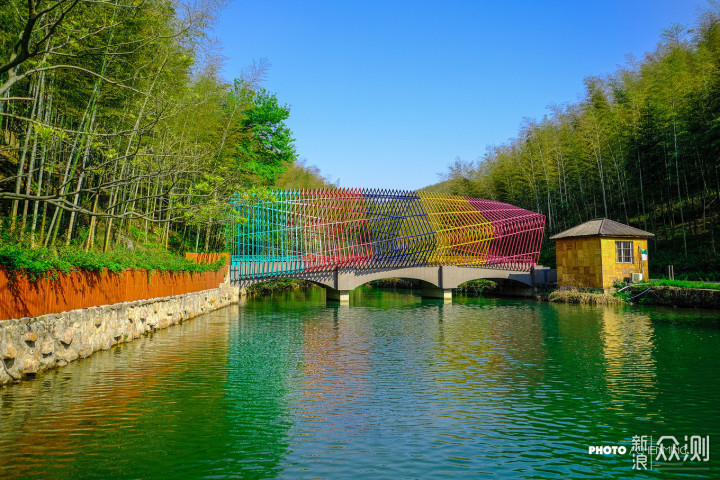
(386, 94)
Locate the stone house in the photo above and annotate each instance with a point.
(600, 252)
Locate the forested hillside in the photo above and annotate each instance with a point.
(642, 147)
(116, 129)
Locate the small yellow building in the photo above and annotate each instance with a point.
(600, 252)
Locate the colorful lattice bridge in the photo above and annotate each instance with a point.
(285, 232)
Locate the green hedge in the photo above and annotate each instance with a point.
(43, 262)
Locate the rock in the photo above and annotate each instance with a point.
(4, 377)
(12, 370)
(31, 366)
(69, 355)
(10, 351)
(31, 337)
(47, 362)
(68, 335)
(85, 351)
(47, 348)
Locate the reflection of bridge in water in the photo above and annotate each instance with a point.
(343, 238)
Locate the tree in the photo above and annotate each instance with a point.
(265, 153)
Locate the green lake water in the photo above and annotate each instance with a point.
(391, 387)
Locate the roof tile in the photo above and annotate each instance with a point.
(602, 227)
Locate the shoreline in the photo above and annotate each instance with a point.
(32, 345)
(640, 295)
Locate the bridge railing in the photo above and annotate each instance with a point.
(291, 231)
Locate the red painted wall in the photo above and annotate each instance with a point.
(83, 289)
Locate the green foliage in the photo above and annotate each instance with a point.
(396, 283)
(34, 264)
(622, 292)
(682, 284)
(276, 286)
(267, 152)
(697, 265)
(131, 119)
(302, 175)
(547, 255)
(477, 287)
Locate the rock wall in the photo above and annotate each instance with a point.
(677, 297)
(35, 344)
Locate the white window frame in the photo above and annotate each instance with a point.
(624, 251)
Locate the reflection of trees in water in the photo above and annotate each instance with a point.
(500, 346)
(574, 341)
(336, 364)
(91, 418)
(261, 368)
(628, 350)
(602, 369)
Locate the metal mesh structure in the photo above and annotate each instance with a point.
(291, 231)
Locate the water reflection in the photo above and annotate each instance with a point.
(138, 397)
(392, 387)
(631, 370)
(261, 363)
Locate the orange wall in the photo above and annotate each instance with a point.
(209, 258)
(83, 289)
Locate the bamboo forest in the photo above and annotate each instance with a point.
(642, 146)
(117, 130)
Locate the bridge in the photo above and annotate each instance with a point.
(343, 238)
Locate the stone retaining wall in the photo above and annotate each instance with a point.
(35, 344)
(678, 297)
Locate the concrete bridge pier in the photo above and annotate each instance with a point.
(428, 290)
(341, 296)
(434, 281)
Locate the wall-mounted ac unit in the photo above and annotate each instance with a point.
(636, 277)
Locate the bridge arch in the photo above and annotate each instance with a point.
(434, 281)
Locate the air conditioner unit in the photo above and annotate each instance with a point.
(636, 277)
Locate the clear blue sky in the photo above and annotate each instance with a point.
(387, 94)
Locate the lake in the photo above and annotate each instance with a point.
(393, 386)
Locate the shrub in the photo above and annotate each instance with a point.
(40, 263)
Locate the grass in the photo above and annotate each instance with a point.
(584, 297)
(681, 284)
(40, 263)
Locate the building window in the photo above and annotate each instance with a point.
(624, 252)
